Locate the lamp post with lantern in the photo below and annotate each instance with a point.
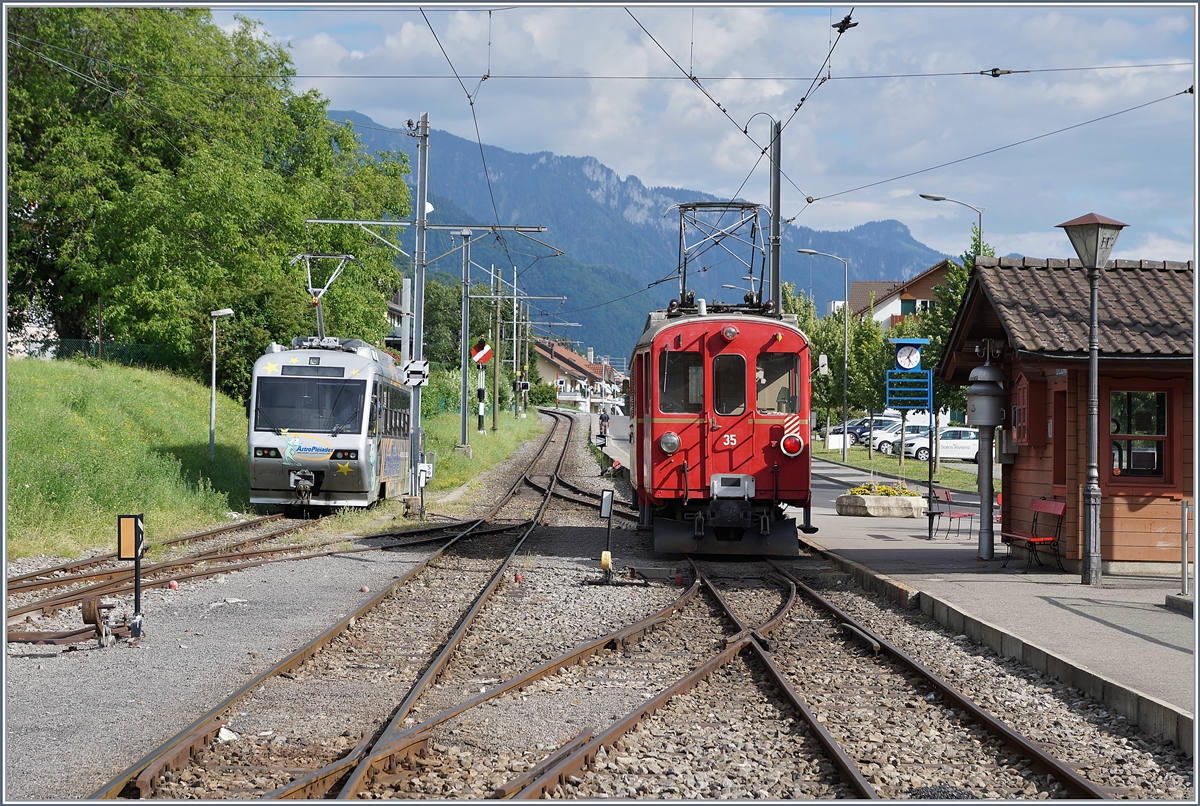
(1093, 237)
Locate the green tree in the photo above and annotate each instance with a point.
(824, 338)
(870, 359)
(939, 322)
(162, 168)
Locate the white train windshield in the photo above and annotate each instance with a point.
(309, 404)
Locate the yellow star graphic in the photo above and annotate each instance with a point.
(354, 371)
(283, 431)
(271, 367)
(295, 360)
(344, 469)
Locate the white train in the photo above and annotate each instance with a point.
(330, 425)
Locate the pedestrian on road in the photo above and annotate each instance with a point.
(604, 418)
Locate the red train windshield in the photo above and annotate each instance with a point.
(777, 377)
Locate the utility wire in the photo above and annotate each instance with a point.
(994, 72)
(478, 137)
(1004, 147)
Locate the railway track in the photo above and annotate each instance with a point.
(740, 684)
(369, 637)
(85, 584)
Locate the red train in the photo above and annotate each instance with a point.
(720, 400)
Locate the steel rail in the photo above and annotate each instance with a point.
(122, 582)
(588, 493)
(624, 513)
(380, 760)
(435, 669)
(124, 586)
(177, 750)
(584, 757)
(211, 554)
(851, 774)
(53, 602)
(1076, 785)
(77, 565)
(747, 640)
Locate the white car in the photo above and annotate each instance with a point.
(953, 443)
(886, 441)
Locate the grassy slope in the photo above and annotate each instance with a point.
(90, 441)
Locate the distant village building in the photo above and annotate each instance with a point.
(582, 383)
(1035, 313)
(893, 300)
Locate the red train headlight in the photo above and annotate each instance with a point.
(730, 333)
(669, 442)
(792, 445)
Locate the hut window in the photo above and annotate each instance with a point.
(1138, 428)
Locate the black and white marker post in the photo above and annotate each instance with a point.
(131, 545)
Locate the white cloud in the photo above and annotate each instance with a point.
(869, 123)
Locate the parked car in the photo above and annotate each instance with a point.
(862, 431)
(888, 440)
(850, 426)
(953, 443)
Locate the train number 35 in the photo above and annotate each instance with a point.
(729, 440)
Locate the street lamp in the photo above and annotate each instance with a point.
(935, 197)
(845, 341)
(212, 409)
(1093, 237)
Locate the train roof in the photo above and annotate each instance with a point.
(658, 320)
(342, 352)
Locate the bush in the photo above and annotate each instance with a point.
(542, 394)
(883, 489)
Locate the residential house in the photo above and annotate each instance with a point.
(893, 300)
(1034, 314)
(582, 382)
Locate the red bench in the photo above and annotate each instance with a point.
(943, 501)
(1031, 540)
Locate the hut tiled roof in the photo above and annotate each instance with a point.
(1145, 306)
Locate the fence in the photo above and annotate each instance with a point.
(142, 355)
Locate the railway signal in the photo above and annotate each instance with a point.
(131, 545)
(481, 353)
(416, 373)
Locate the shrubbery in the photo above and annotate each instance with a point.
(897, 489)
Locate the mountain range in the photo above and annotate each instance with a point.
(618, 237)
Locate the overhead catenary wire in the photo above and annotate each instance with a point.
(1003, 147)
(478, 137)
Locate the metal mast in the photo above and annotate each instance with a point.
(774, 286)
(422, 136)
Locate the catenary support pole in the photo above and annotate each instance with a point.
(775, 287)
(422, 136)
(496, 358)
(465, 337)
(405, 320)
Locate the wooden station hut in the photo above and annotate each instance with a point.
(1034, 314)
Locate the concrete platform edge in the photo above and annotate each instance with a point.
(1152, 715)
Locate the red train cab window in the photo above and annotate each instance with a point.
(680, 383)
(729, 384)
(776, 376)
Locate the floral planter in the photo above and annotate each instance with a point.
(882, 506)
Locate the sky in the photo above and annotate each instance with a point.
(1094, 117)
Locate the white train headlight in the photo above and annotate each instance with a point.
(792, 445)
(669, 442)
